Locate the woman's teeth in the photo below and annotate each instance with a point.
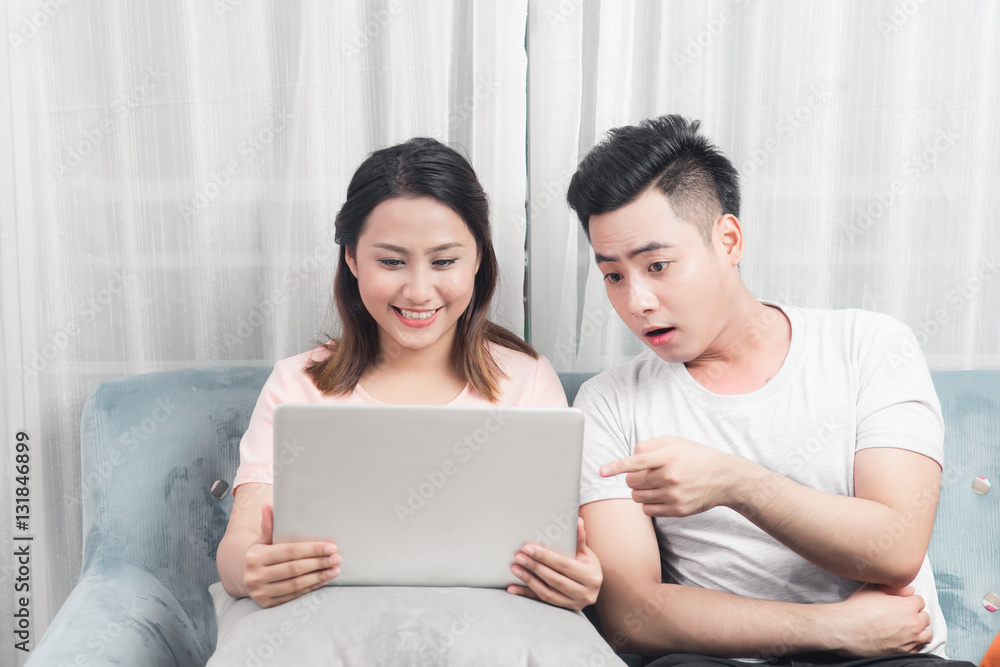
(413, 315)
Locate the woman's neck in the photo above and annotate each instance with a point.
(414, 377)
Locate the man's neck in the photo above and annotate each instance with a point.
(748, 352)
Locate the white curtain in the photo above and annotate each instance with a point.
(865, 132)
(170, 171)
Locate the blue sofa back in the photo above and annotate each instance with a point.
(153, 444)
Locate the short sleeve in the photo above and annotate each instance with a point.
(603, 441)
(256, 447)
(897, 405)
(547, 391)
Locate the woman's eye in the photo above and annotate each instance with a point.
(391, 263)
(612, 277)
(656, 267)
(443, 262)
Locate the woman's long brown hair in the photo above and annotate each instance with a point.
(418, 168)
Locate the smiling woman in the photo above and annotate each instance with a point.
(415, 211)
(415, 264)
(416, 275)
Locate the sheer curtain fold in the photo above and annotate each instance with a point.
(170, 171)
(173, 173)
(861, 131)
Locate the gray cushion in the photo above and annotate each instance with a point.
(438, 627)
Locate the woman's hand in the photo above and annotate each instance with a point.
(276, 573)
(549, 576)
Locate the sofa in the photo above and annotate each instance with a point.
(152, 445)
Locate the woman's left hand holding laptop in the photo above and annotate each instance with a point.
(271, 574)
(552, 577)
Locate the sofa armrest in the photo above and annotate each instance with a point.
(119, 614)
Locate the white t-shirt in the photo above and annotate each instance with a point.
(852, 379)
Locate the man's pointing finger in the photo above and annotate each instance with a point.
(636, 463)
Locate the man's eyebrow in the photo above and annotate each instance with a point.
(652, 245)
(404, 251)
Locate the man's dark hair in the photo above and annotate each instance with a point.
(697, 179)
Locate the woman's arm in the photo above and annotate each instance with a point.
(251, 566)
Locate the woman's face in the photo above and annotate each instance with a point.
(416, 263)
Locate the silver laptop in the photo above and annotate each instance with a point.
(436, 496)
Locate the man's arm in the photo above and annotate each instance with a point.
(879, 536)
(641, 615)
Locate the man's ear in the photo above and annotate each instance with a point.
(727, 236)
(352, 260)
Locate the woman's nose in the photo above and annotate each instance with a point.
(419, 288)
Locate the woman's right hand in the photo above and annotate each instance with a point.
(276, 573)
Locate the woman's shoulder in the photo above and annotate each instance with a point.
(291, 371)
(522, 374)
(513, 362)
(299, 362)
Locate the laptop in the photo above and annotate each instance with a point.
(427, 495)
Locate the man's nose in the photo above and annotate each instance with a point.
(641, 299)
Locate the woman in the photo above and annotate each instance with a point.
(416, 275)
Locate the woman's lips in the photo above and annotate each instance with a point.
(413, 322)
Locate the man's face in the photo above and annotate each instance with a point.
(672, 289)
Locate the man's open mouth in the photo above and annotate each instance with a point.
(658, 332)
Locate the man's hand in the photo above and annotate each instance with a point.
(880, 620)
(558, 579)
(671, 476)
(276, 573)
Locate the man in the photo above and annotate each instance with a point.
(790, 458)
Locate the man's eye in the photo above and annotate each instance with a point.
(612, 277)
(656, 267)
(391, 263)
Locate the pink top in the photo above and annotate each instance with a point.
(529, 383)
